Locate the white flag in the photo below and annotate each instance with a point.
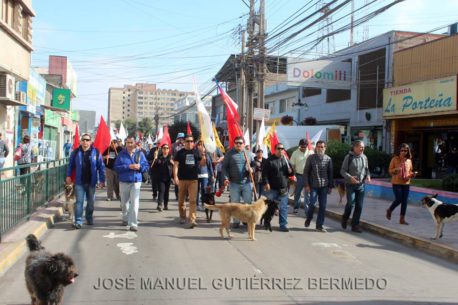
(205, 124)
(260, 138)
(122, 133)
(316, 137)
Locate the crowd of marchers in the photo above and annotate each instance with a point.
(244, 173)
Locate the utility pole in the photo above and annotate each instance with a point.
(255, 62)
(242, 83)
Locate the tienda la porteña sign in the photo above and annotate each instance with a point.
(430, 97)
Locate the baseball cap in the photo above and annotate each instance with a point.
(180, 135)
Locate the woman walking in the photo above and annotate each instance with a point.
(162, 167)
(205, 175)
(401, 171)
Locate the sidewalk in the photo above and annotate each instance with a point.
(417, 234)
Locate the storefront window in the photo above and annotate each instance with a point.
(371, 137)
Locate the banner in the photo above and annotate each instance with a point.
(430, 97)
(325, 74)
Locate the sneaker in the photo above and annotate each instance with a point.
(284, 229)
(182, 220)
(159, 208)
(295, 211)
(321, 229)
(191, 225)
(133, 228)
(344, 224)
(77, 226)
(109, 199)
(90, 222)
(356, 229)
(307, 223)
(124, 223)
(166, 208)
(235, 225)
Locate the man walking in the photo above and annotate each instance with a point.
(87, 163)
(298, 159)
(275, 175)
(355, 170)
(67, 148)
(109, 158)
(130, 164)
(318, 181)
(236, 172)
(185, 174)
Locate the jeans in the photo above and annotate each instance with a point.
(260, 189)
(163, 197)
(130, 202)
(322, 195)
(401, 193)
(201, 189)
(81, 191)
(355, 196)
(283, 217)
(298, 191)
(238, 190)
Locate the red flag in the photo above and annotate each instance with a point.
(307, 137)
(76, 138)
(273, 141)
(188, 129)
(102, 138)
(232, 116)
(166, 139)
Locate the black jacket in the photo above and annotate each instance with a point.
(275, 172)
(163, 168)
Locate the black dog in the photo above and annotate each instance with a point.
(272, 207)
(209, 198)
(47, 274)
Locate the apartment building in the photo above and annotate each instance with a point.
(143, 100)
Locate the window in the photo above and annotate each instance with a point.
(306, 92)
(286, 105)
(337, 95)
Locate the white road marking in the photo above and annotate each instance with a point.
(128, 235)
(127, 248)
(326, 245)
(257, 270)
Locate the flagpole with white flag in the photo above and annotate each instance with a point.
(260, 140)
(205, 124)
(122, 133)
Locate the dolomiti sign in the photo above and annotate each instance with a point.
(326, 74)
(433, 96)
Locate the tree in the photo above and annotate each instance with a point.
(180, 126)
(130, 125)
(146, 126)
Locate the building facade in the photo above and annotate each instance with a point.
(15, 57)
(421, 106)
(87, 119)
(143, 100)
(186, 110)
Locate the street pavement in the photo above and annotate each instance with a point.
(164, 263)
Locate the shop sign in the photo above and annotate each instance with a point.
(437, 95)
(36, 88)
(260, 113)
(61, 98)
(326, 74)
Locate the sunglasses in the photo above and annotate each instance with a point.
(238, 143)
(189, 141)
(165, 148)
(86, 140)
(280, 148)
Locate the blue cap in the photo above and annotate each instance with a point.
(180, 135)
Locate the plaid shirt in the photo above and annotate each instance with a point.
(318, 172)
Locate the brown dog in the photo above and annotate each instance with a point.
(248, 213)
(341, 190)
(69, 200)
(46, 274)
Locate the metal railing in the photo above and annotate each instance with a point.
(21, 195)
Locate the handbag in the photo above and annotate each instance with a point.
(18, 154)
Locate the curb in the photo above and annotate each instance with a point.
(419, 243)
(14, 245)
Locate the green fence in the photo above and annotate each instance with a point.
(21, 195)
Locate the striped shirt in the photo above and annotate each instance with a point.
(318, 171)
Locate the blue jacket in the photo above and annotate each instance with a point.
(76, 163)
(121, 166)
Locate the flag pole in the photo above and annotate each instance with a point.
(251, 175)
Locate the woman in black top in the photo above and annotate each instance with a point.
(162, 167)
